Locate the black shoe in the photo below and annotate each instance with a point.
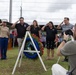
(3, 58)
(65, 60)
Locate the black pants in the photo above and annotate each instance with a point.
(50, 44)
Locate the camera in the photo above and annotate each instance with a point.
(69, 32)
(0, 21)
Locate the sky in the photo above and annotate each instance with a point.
(41, 10)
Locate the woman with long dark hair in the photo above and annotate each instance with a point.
(35, 29)
(50, 38)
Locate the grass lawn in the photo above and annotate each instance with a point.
(28, 66)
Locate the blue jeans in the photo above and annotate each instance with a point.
(3, 46)
(0, 48)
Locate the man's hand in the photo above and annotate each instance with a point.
(61, 23)
(59, 26)
(13, 26)
(17, 21)
(66, 37)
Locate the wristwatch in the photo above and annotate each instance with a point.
(64, 40)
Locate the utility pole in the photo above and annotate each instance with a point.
(21, 9)
(10, 11)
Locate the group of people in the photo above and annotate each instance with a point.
(66, 49)
(21, 28)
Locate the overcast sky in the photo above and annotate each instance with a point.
(41, 10)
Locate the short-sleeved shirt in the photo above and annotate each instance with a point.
(21, 29)
(4, 31)
(69, 50)
(66, 27)
(35, 30)
(50, 33)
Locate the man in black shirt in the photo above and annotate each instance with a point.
(21, 30)
(50, 38)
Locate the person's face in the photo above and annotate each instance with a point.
(21, 21)
(34, 23)
(4, 24)
(50, 25)
(74, 33)
(66, 21)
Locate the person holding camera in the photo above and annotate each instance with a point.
(69, 49)
(21, 30)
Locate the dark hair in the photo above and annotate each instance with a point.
(69, 32)
(0, 21)
(66, 18)
(21, 18)
(52, 24)
(36, 22)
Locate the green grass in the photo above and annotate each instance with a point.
(28, 66)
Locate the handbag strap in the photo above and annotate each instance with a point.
(73, 69)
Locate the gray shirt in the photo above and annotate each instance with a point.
(66, 27)
(69, 50)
